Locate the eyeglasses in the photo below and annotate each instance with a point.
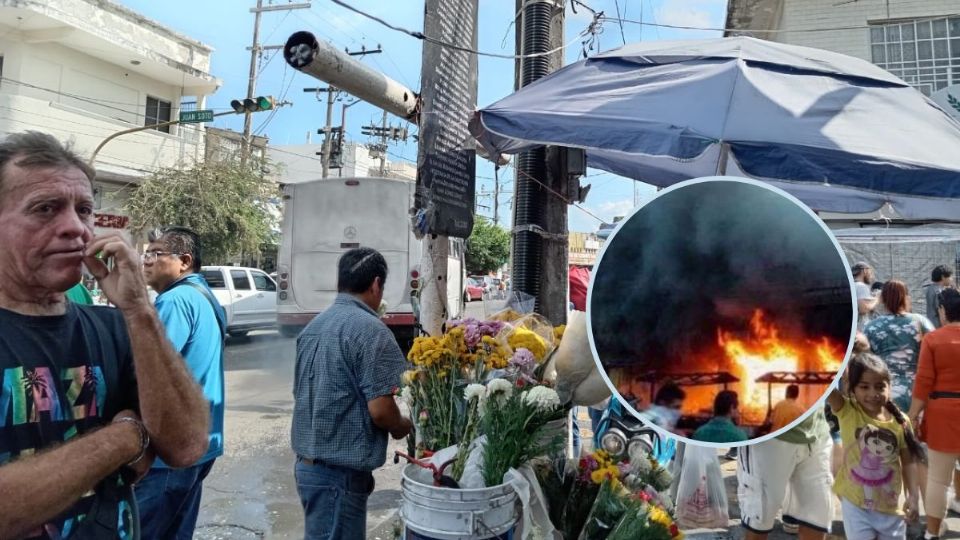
(151, 256)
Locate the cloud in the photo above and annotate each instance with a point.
(610, 209)
(695, 13)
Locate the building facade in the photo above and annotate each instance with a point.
(82, 70)
(916, 40)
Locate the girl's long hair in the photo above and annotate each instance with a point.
(865, 361)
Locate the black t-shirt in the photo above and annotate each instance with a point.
(61, 377)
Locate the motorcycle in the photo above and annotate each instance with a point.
(621, 434)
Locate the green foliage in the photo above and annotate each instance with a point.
(488, 247)
(225, 202)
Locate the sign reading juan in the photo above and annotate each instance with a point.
(446, 162)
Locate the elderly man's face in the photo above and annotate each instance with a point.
(46, 220)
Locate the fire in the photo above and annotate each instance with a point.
(764, 351)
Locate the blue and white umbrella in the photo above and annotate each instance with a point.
(837, 132)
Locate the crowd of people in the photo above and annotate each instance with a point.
(105, 411)
(111, 417)
(898, 446)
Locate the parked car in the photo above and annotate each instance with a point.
(474, 290)
(248, 296)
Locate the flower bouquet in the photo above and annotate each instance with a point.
(513, 417)
(586, 500)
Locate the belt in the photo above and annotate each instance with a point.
(312, 462)
(944, 395)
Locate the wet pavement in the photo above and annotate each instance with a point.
(251, 493)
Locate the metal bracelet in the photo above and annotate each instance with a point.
(144, 437)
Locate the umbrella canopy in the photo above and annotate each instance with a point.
(837, 132)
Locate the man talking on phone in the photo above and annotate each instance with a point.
(89, 394)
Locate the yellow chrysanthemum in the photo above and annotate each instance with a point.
(558, 331)
(527, 339)
(659, 515)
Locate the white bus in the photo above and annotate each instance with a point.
(324, 218)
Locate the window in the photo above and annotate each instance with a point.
(924, 53)
(158, 111)
(214, 279)
(240, 280)
(262, 282)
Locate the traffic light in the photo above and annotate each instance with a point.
(257, 104)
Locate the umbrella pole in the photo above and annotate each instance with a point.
(722, 162)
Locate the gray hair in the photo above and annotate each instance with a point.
(36, 150)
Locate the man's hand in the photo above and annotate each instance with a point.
(404, 429)
(123, 284)
(142, 466)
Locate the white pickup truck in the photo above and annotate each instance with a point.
(248, 295)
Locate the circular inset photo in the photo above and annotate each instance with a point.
(721, 311)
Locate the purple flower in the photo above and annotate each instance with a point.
(524, 361)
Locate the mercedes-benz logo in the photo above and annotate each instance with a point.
(350, 232)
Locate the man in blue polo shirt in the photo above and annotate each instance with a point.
(348, 366)
(169, 499)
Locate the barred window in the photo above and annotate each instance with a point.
(158, 111)
(925, 53)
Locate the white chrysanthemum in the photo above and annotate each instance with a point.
(499, 386)
(406, 396)
(641, 465)
(474, 391)
(664, 478)
(542, 397)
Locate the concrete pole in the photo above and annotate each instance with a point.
(252, 81)
(327, 63)
(433, 297)
(383, 146)
(328, 132)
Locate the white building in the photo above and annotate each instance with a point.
(82, 70)
(302, 162)
(916, 40)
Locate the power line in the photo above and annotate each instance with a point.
(428, 39)
(760, 31)
(616, 4)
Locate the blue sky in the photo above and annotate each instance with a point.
(227, 25)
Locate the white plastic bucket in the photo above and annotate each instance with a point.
(438, 513)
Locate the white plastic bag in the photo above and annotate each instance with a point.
(701, 495)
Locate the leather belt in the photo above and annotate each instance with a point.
(944, 395)
(311, 462)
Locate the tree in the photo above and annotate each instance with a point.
(226, 202)
(488, 247)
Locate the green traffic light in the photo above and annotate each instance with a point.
(264, 103)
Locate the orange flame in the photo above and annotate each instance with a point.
(764, 351)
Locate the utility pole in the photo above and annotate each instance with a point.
(255, 51)
(328, 129)
(496, 198)
(540, 237)
(384, 132)
(383, 143)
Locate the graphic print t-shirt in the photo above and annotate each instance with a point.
(870, 474)
(61, 377)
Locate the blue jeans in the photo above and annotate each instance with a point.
(334, 501)
(169, 500)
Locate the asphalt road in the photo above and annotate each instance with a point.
(251, 493)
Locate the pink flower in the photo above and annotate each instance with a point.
(523, 361)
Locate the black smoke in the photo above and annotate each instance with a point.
(704, 257)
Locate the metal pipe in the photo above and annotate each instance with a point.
(319, 59)
(531, 164)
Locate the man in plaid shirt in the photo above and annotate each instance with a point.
(348, 365)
